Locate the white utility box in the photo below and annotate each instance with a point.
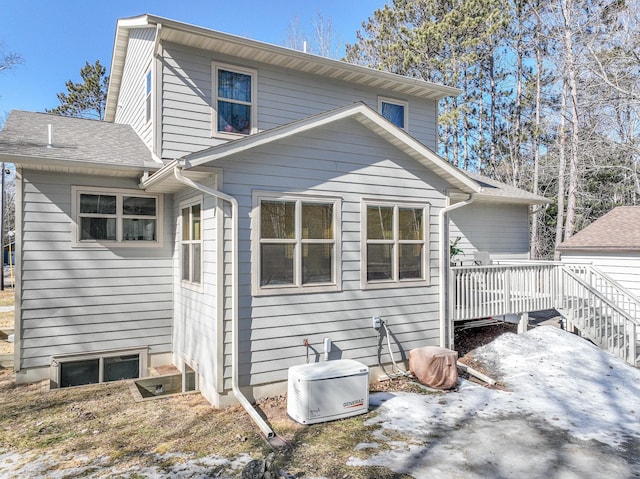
(329, 390)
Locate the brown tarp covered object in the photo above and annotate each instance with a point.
(434, 366)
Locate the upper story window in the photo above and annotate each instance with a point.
(234, 101)
(105, 216)
(297, 250)
(396, 111)
(395, 245)
(191, 242)
(147, 95)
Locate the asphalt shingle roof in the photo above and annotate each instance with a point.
(499, 190)
(89, 142)
(618, 230)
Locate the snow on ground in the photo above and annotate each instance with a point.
(571, 411)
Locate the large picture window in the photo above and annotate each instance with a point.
(191, 243)
(396, 240)
(297, 243)
(233, 100)
(117, 217)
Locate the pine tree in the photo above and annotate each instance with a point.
(86, 99)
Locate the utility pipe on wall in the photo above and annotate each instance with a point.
(443, 270)
(234, 304)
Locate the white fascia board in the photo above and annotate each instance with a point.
(358, 111)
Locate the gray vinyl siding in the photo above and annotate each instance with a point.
(342, 160)
(131, 108)
(620, 266)
(502, 230)
(283, 96)
(195, 313)
(84, 300)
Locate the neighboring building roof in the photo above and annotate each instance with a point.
(498, 192)
(75, 143)
(214, 41)
(618, 230)
(357, 111)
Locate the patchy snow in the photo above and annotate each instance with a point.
(571, 411)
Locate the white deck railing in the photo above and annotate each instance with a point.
(592, 302)
(483, 291)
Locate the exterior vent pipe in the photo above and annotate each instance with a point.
(268, 432)
(50, 131)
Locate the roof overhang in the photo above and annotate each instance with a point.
(55, 165)
(485, 196)
(252, 50)
(165, 181)
(359, 112)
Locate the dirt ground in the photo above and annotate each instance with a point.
(104, 423)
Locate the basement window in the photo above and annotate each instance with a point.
(92, 369)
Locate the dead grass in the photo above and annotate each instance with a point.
(7, 297)
(103, 421)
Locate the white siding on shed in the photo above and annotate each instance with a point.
(622, 267)
(84, 300)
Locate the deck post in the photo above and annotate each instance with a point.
(523, 323)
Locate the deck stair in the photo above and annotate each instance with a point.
(594, 305)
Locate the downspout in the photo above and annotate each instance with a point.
(443, 270)
(234, 304)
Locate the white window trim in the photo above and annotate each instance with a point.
(148, 96)
(198, 200)
(396, 282)
(56, 370)
(395, 101)
(256, 241)
(215, 66)
(119, 242)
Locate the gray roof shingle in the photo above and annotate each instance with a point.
(618, 230)
(498, 191)
(25, 136)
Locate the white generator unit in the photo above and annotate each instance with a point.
(320, 392)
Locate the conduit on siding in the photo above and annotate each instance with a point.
(234, 304)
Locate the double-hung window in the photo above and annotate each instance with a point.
(396, 111)
(395, 243)
(234, 100)
(191, 242)
(297, 248)
(104, 216)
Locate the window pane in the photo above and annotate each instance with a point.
(234, 117)
(77, 373)
(98, 204)
(121, 367)
(196, 223)
(277, 219)
(394, 113)
(276, 264)
(410, 224)
(380, 222)
(185, 224)
(186, 255)
(148, 82)
(317, 263)
(98, 229)
(234, 86)
(410, 261)
(138, 206)
(379, 262)
(197, 261)
(317, 221)
(134, 229)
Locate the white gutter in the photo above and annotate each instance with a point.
(443, 270)
(234, 304)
